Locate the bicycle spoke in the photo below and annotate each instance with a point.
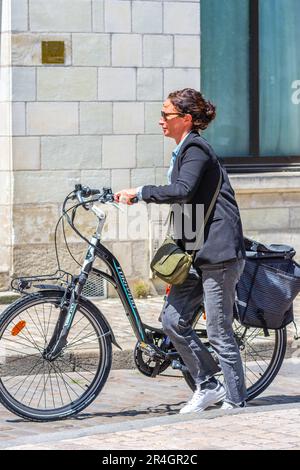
(91, 334)
(18, 342)
(80, 375)
(65, 382)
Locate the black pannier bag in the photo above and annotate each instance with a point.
(269, 284)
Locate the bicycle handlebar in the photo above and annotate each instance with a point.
(106, 195)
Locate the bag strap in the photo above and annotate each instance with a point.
(209, 210)
(207, 215)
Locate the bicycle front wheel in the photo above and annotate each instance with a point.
(35, 388)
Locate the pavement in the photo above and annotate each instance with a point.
(137, 412)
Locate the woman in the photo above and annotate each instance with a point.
(194, 175)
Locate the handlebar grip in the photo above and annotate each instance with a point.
(87, 192)
(94, 191)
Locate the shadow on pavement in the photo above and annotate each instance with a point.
(275, 400)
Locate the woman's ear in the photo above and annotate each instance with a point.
(189, 117)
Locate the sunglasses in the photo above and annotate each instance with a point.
(164, 115)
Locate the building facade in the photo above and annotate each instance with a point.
(82, 83)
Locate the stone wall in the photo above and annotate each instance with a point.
(94, 120)
(6, 128)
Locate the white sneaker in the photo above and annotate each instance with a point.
(229, 406)
(202, 399)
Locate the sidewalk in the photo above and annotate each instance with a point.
(230, 432)
(144, 415)
(136, 412)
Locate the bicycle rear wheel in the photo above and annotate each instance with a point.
(40, 390)
(262, 356)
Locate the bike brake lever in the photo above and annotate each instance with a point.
(116, 205)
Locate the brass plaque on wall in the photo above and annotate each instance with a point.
(53, 52)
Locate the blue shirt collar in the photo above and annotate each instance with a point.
(178, 146)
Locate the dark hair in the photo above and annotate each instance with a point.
(190, 101)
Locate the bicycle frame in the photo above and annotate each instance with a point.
(117, 278)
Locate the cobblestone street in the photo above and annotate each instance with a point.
(137, 412)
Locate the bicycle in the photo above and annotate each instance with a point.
(56, 345)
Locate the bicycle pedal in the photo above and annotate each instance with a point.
(150, 350)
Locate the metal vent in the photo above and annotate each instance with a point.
(96, 286)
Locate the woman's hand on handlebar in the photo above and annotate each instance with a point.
(126, 196)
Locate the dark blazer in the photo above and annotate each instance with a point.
(194, 180)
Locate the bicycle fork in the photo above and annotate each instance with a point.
(68, 308)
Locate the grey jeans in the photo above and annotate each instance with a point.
(216, 282)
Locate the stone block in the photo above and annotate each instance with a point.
(158, 50)
(26, 49)
(147, 17)
(295, 216)
(149, 150)
(152, 116)
(52, 118)
(6, 186)
(266, 182)
(26, 153)
(140, 259)
(5, 110)
(5, 50)
(117, 84)
(91, 49)
(18, 119)
(181, 18)
(119, 151)
(268, 199)
(265, 219)
(19, 15)
(161, 176)
(142, 176)
(123, 253)
(5, 153)
(38, 187)
(187, 51)
(67, 84)
(128, 118)
(149, 84)
(35, 223)
(176, 79)
(60, 15)
(96, 179)
(74, 152)
(127, 50)
(23, 84)
(96, 118)
(5, 232)
(117, 16)
(98, 15)
(120, 179)
(35, 259)
(5, 81)
(5, 262)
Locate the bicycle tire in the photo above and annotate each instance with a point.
(103, 338)
(269, 374)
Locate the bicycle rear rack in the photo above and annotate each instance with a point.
(27, 285)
